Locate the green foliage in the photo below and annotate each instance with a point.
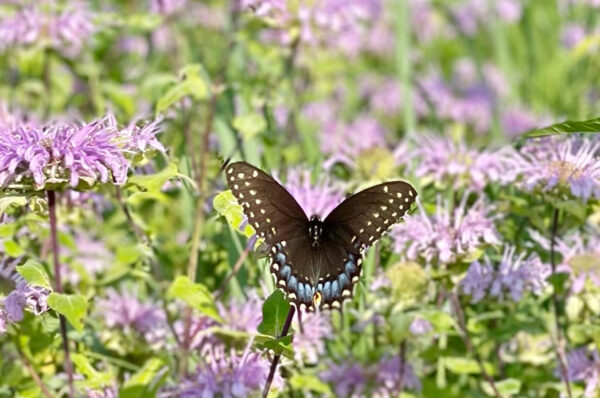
(72, 306)
(34, 273)
(226, 205)
(275, 311)
(196, 295)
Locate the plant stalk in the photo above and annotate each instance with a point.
(284, 332)
(59, 288)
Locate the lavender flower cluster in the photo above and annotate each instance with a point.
(514, 275)
(58, 153)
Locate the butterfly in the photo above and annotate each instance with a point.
(315, 262)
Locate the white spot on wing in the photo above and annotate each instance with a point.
(253, 192)
(255, 174)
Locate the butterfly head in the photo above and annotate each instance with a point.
(315, 231)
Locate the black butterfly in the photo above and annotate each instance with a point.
(316, 262)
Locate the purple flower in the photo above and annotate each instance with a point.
(514, 275)
(24, 296)
(345, 142)
(243, 316)
(572, 35)
(579, 257)
(310, 344)
(388, 376)
(347, 379)
(420, 326)
(91, 254)
(229, 375)
(65, 29)
(446, 162)
(509, 10)
(167, 7)
(384, 96)
(571, 165)
(447, 235)
(584, 365)
(61, 153)
(516, 121)
(127, 312)
(318, 198)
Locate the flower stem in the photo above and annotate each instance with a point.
(36, 378)
(402, 358)
(59, 288)
(234, 271)
(560, 343)
(284, 332)
(465, 335)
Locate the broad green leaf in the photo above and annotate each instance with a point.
(460, 365)
(196, 295)
(9, 200)
(506, 387)
(193, 84)
(275, 310)
(12, 248)
(309, 382)
(34, 273)
(226, 204)
(249, 125)
(93, 378)
(153, 182)
(72, 306)
(568, 127)
(145, 381)
(282, 345)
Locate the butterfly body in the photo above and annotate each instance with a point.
(316, 262)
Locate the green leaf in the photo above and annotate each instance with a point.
(506, 387)
(193, 84)
(12, 248)
(275, 311)
(568, 127)
(93, 378)
(226, 205)
(72, 306)
(308, 382)
(34, 273)
(249, 125)
(460, 365)
(120, 97)
(153, 182)
(8, 200)
(282, 345)
(196, 295)
(145, 381)
(558, 281)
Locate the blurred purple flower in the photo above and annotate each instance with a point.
(67, 152)
(243, 316)
(347, 379)
(420, 326)
(572, 35)
(447, 235)
(426, 25)
(167, 7)
(344, 142)
(509, 10)
(387, 374)
(92, 254)
(514, 275)
(229, 375)
(517, 120)
(571, 164)
(446, 162)
(127, 312)
(583, 365)
(64, 28)
(319, 198)
(310, 344)
(580, 257)
(22, 297)
(384, 96)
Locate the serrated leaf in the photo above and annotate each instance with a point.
(249, 125)
(196, 295)
(72, 306)
(11, 200)
(506, 387)
(567, 127)
(145, 381)
(34, 273)
(153, 182)
(226, 205)
(275, 311)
